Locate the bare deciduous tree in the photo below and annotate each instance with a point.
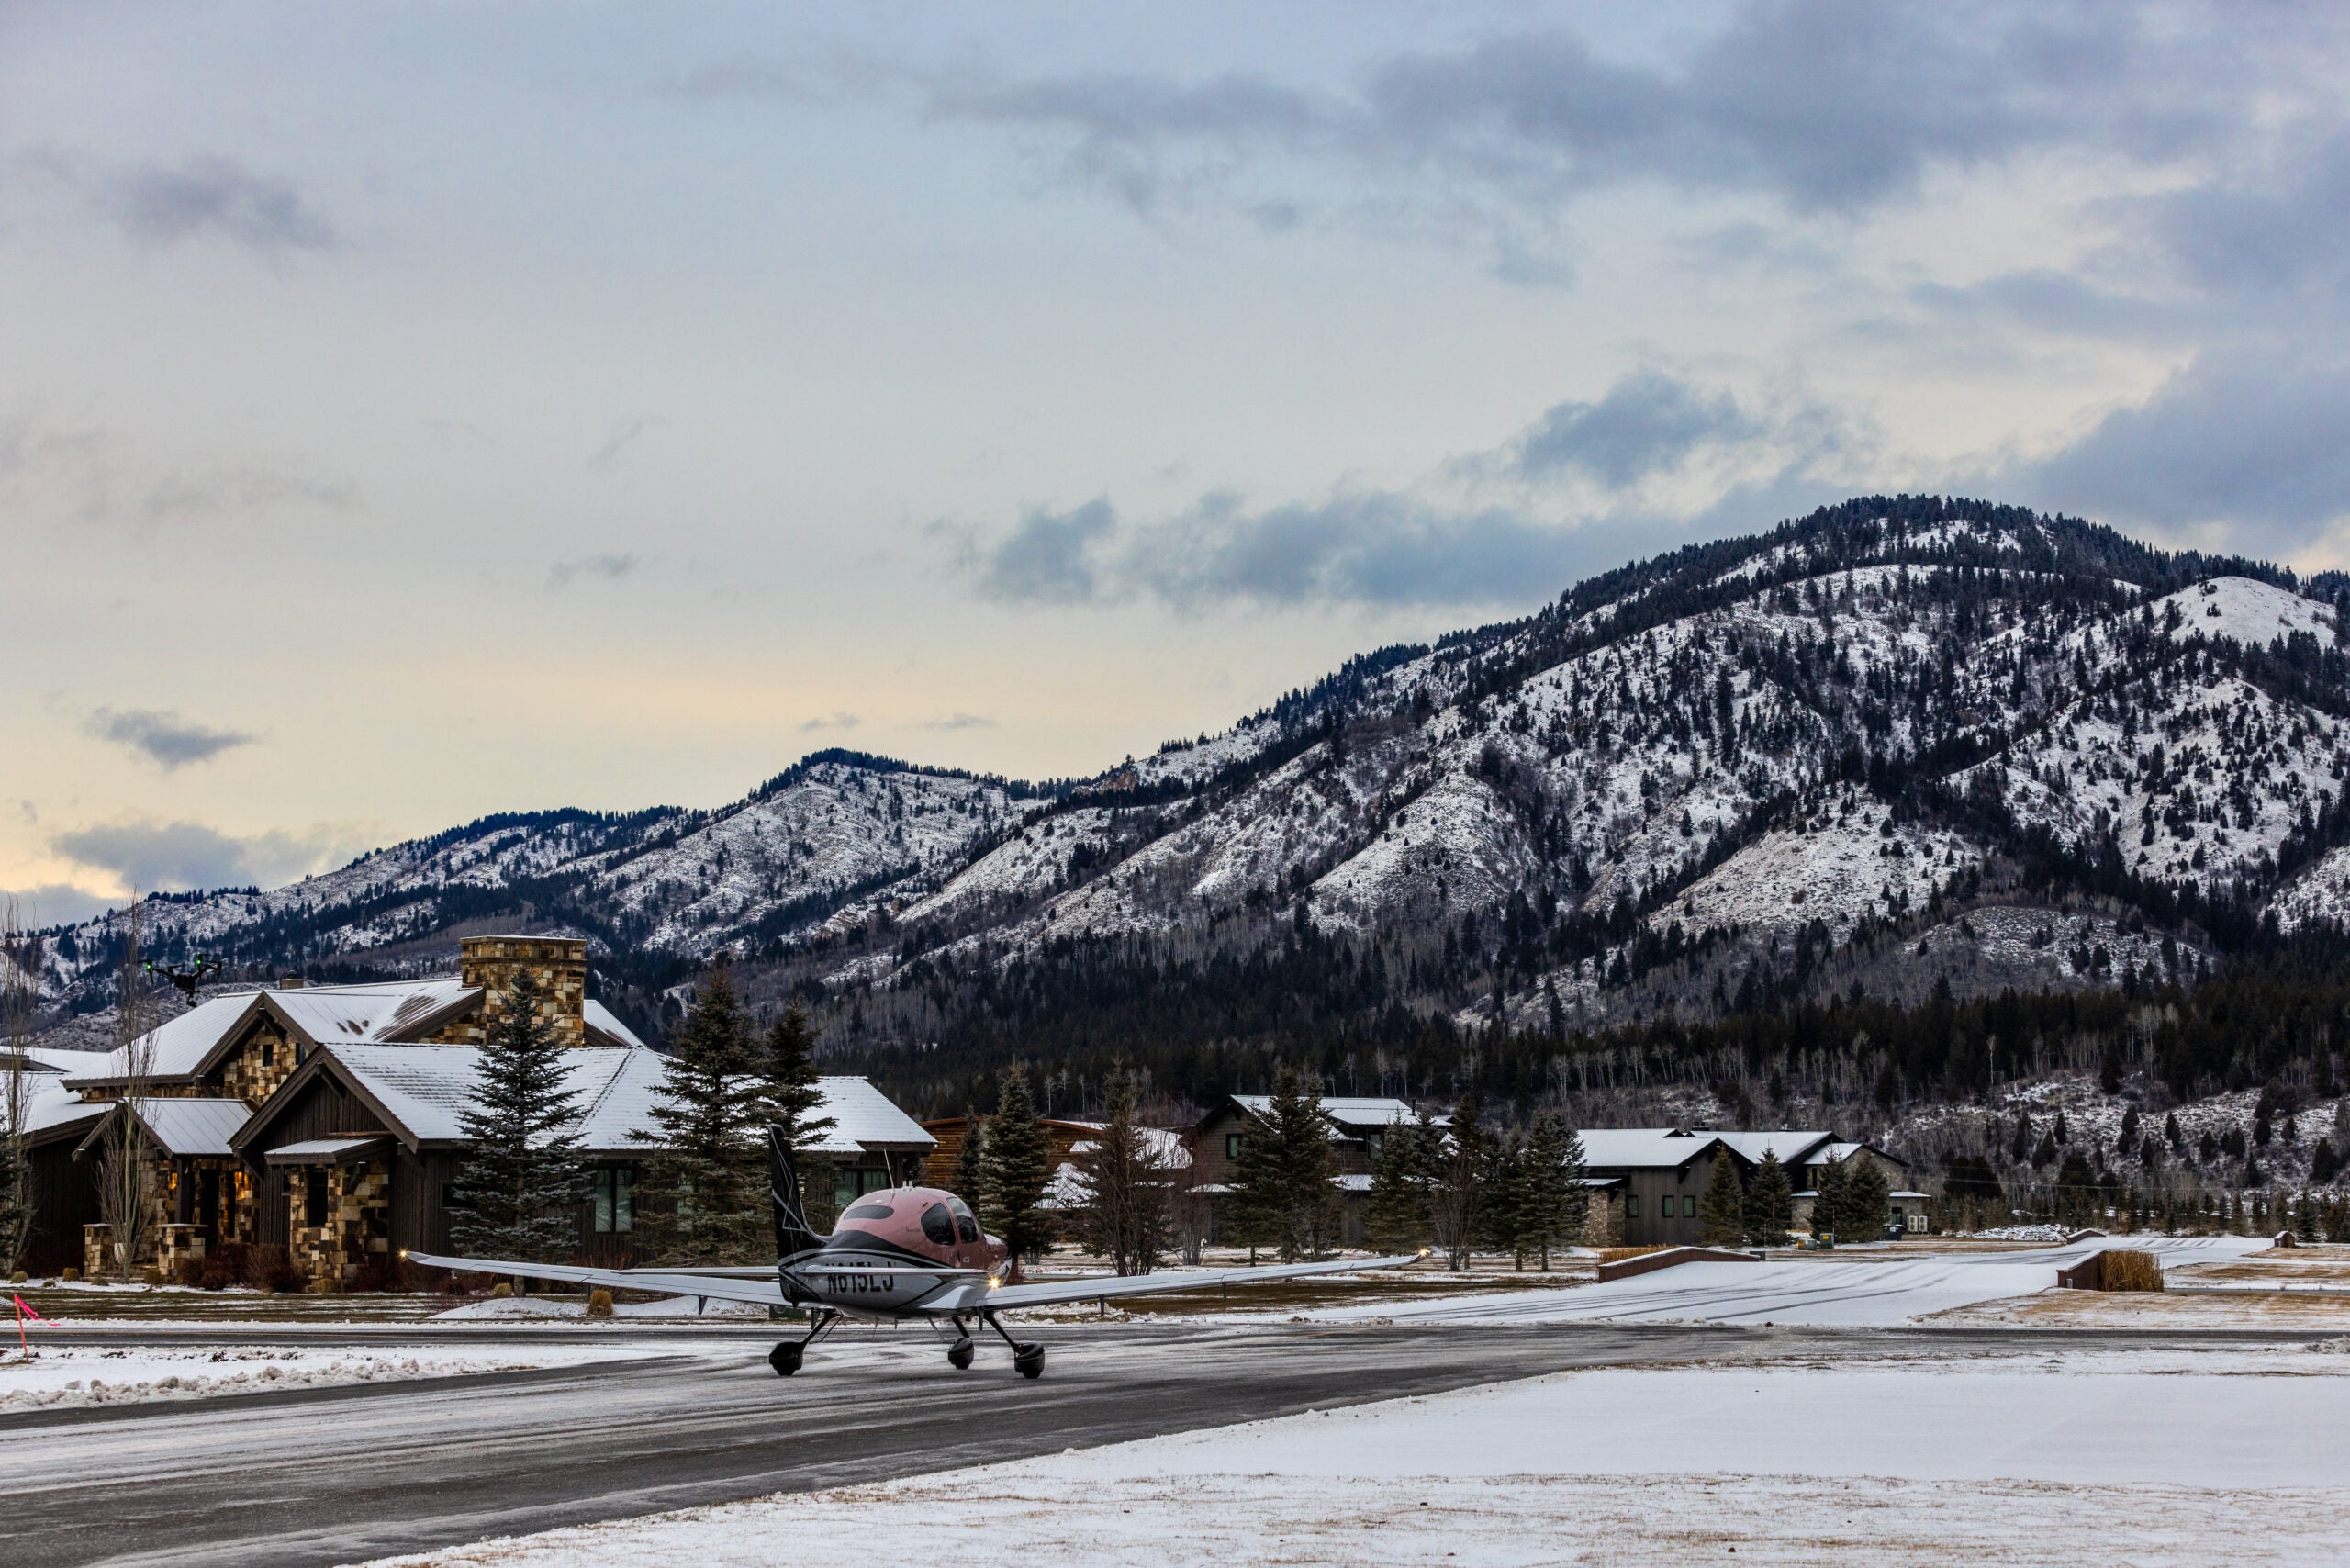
(126, 1173)
(19, 998)
(1127, 1174)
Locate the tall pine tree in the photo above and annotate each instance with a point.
(1558, 1204)
(707, 1178)
(1015, 1167)
(1458, 1194)
(792, 1099)
(1398, 1218)
(1770, 1203)
(1827, 1201)
(970, 1181)
(1282, 1194)
(523, 1179)
(1721, 1210)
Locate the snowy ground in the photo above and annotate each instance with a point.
(1820, 1291)
(2177, 1458)
(80, 1375)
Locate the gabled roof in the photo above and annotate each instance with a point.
(1353, 1116)
(48, 1062)
(1642, 1148)
(601, 1023)
(190, 1045)
(422, 1092)
(1792, 1147)
(185, 1129)
(1846, 1151)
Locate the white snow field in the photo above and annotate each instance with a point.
(2142, 1458)
(1885, 1290)
(78, 1375)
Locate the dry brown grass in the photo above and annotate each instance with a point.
(2127, 1269)
(1617, 1254)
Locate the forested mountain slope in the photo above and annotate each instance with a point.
(1912, 745)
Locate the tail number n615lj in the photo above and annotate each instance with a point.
(906, 1252)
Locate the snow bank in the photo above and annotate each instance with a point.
(81, 1375)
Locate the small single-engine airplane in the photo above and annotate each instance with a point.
(897, 1253)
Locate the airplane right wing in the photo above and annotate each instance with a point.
(1094, 1287)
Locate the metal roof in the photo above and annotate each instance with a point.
(1791, 1147)
(869, 1120)
(378, 1012)
(185, 1129)
(1357, 1114)
(1641, 1148)
(323, 1150)
(175, 1049)
(600, 1021)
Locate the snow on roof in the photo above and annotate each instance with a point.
(425, 1089)
(320, 1151)
(1788, 1146)
(1641, 1148)
(189, 1128)
(600, 1021)
(43, 1060)
(1906, 1192)
(177, 1048)
(377, 1011)
(868, 1121)
(52, 1105)
(1365, 1113)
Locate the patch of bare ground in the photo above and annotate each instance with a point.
(2169, 1309)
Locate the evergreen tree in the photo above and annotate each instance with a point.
(792, 1100)
(707, 1177)
(1866, 1194)
(1557, 1203)
(17, 996)
(1127, 1220)
(1398, 1219)
(1721, 1209)
(1015, 1169)
(1828, 1199)
(969, 1182)
(1456, 1197)
(1770, 1203)
(523, 1180)
(1502, 1216)
(1282, 1193)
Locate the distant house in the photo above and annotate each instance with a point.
(1666, 1171)
(324, 1119)
(1061, 1138)
(1359, 1129)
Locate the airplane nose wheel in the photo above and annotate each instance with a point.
(959, 1354)
(786, 1358)
(1028, 1360)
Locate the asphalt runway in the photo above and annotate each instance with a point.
(342, 1475)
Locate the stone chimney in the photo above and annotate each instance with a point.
(559, 966)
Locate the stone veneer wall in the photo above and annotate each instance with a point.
(358, 1222)
(558, 964)
(260, 1063)
(1602, 1226)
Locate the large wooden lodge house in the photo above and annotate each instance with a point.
(325, 1119)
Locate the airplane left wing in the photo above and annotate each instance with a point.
(716, 1287)
(983, 1297)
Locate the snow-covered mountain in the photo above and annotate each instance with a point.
(1899, 742)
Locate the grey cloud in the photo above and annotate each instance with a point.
(211, 196)
(611, 568)
(2253, 440)
(841, 721)
(56, 903)
(1832, 105)
(163, 736)
(1649, 422)
(621, 439)
(214, 491)
(152, 857)
(1048, 559)
(960, 721)
(2282, 226)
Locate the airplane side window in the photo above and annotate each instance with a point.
(938, 1225)
(966, 1227)
(869, 1211)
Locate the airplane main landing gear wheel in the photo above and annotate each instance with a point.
(959, 1354)
(786, 1358)
(1028, 1360)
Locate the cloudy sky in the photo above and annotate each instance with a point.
(409, 412)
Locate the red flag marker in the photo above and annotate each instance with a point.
(25, 1313)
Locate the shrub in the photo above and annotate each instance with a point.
(188, 1272)
(2127, 1269)
(17, 1278)
(281, 1275)
(70, 1276)
(214, 1275)
(600, 1304)
(236, 1259)
(501, 1291)
(1617, 1254)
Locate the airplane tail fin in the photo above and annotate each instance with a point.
(792, 1234)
